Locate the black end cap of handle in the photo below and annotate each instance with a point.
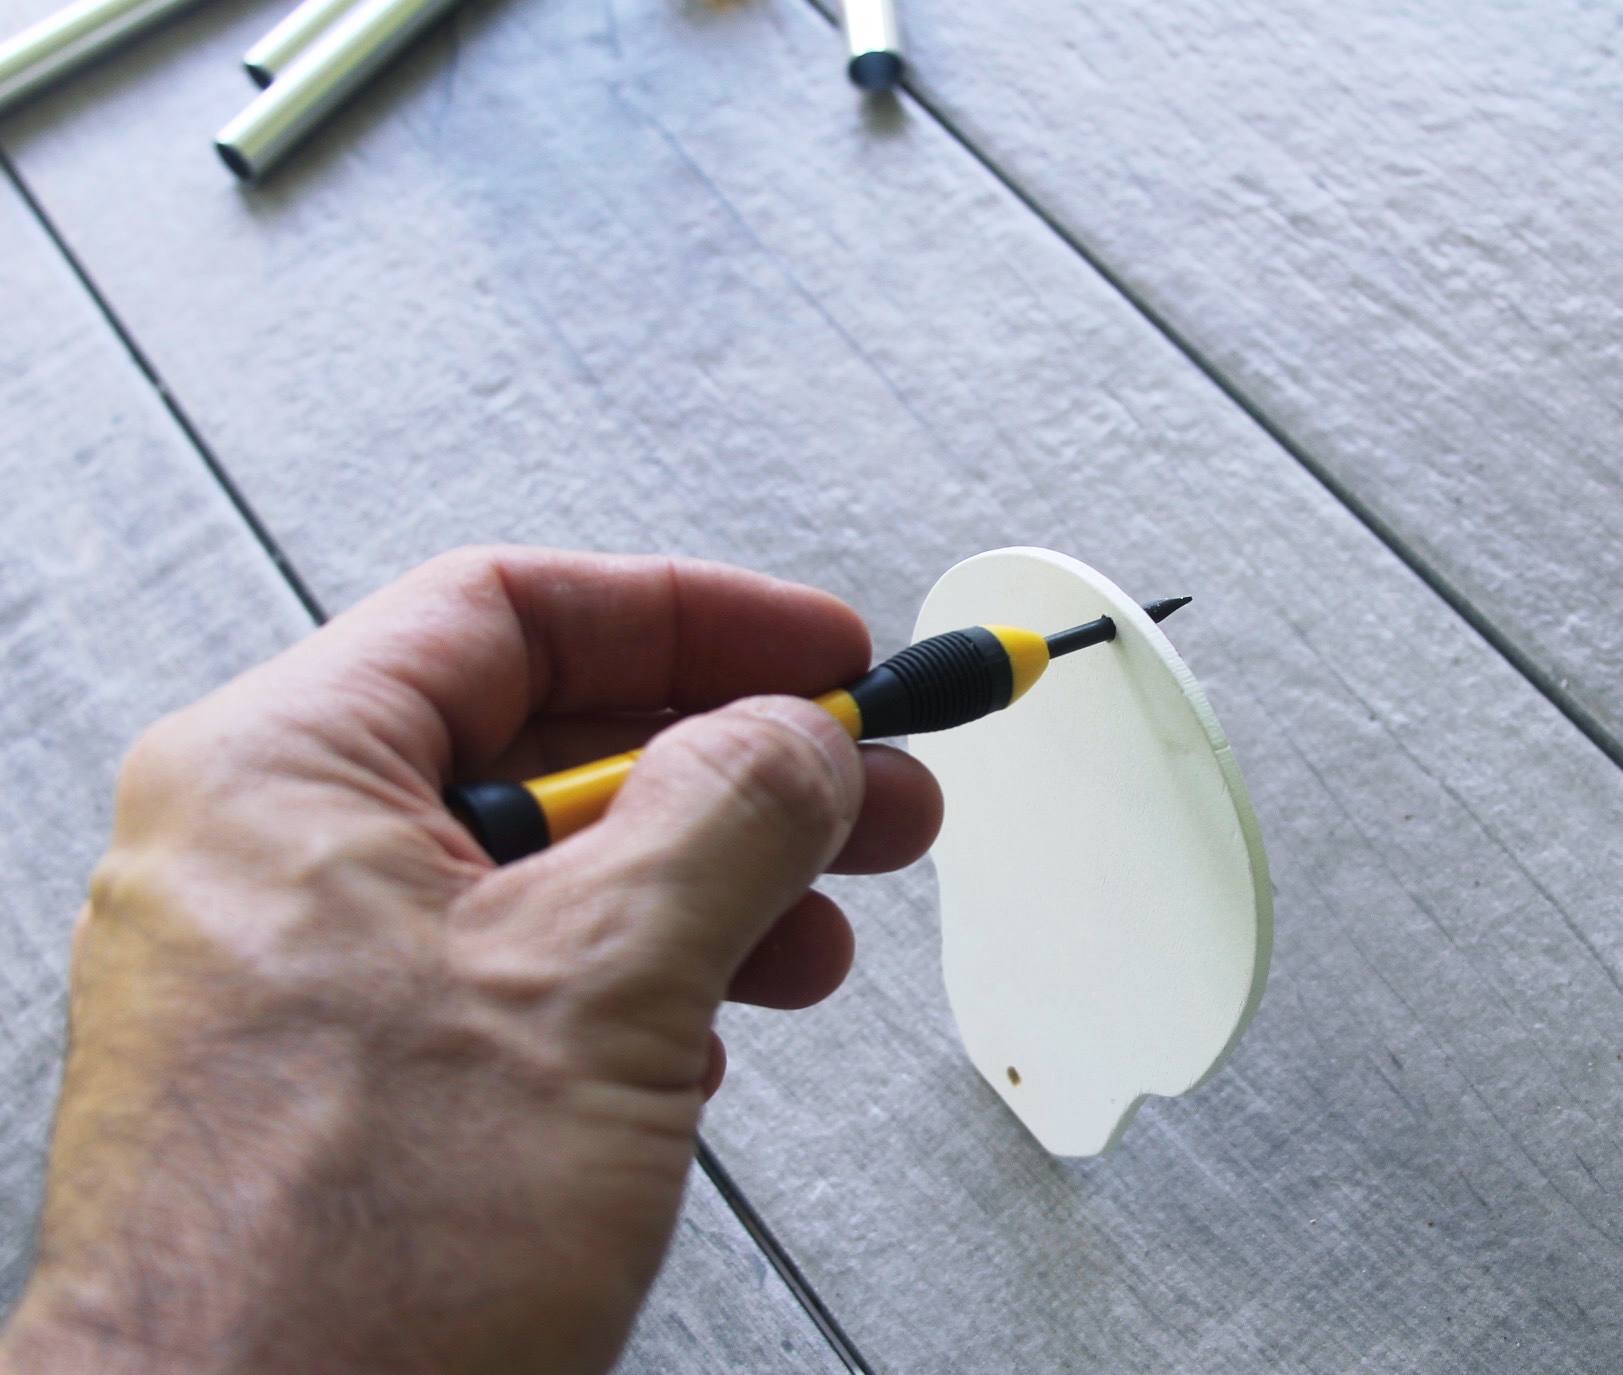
(505, 818)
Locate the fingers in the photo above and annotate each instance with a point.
(451, 660)
(901, 814)
(739, 810)
(901, 810)
(807, 953)
(696, 884)
(801, 960)
(715, 1068)
(720, 830)
(547, 744)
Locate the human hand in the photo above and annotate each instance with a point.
(341, 1095)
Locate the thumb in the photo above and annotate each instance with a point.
(722, 826)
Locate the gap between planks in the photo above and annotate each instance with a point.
(211, 460)
(783, 1265)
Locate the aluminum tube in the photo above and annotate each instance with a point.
(70, 38)
(875, 41)
(320, 79)
(272, 55)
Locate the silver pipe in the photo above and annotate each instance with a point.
(320, 79)
(70, 38)
(875, 41)
(270, 57)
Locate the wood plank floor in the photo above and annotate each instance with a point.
(643, 276)
(1391, 229)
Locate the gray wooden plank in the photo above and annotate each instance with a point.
(1394, 227)
(129, 586)
(719, 1306)
(645, 277)
(126, 588)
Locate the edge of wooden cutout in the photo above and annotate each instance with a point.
(1125, 610)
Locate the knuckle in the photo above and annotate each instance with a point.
(464, 561)
(111, 886)
(156, 761)
(187, 761)
(474, 570)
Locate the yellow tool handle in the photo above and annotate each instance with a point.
(573, 799)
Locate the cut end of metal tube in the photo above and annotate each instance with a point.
(234, 160)
(261, 76)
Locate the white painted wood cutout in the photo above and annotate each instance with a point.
(1106, 911)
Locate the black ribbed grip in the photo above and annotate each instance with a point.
(936, 684)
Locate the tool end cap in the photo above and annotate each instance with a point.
(877, 71)
(504, 818)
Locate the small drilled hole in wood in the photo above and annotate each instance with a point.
(1014, 1075)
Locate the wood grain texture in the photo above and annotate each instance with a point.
(1394, 227)
(646, 276)
(128, 587)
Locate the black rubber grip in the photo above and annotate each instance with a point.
(505, 818)
(936, 684)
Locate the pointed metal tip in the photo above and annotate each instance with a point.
(1160, 610)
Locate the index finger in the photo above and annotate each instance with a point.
(447, 663)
